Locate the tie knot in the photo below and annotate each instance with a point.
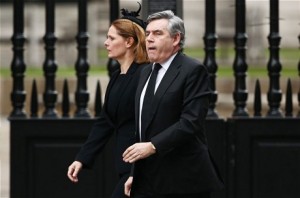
(157, 66)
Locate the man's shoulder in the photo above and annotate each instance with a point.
(191, 63)
(190, 66)
(189, 60)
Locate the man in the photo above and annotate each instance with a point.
(172, 158)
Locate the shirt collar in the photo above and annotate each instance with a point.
(167, 64)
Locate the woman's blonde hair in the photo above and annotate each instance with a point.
(126, 29)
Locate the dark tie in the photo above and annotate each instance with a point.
(148, 98)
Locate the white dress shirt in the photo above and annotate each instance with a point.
(160, 75)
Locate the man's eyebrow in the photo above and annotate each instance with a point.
(156, 30)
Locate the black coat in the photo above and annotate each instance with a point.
(182, 163)
(122, 124)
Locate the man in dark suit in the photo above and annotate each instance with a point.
(172, 159)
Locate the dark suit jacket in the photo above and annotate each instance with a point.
(123, 124)
(182, 163)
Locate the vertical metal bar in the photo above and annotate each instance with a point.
(82, 65)
(113, 65)
(210, 39)
(114, 10)
(274, 65)
(299, 87)
(240, 94)
(50, 66)
(18, 66)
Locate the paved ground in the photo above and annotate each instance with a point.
(4, 158)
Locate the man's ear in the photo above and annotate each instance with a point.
(176, 39)
(129, 42)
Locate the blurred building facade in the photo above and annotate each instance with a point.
(98, 23)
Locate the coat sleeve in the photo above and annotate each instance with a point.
(98, 137)
(190, 124)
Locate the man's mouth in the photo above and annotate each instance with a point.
(151, 48)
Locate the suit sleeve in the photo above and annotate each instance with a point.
(98, 137)
(190, 123)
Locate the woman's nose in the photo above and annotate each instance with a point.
(105, 43)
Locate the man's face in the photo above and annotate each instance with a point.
(160, 45)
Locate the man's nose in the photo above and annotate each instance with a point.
(149, 38)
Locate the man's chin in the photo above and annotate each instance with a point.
(152, 59)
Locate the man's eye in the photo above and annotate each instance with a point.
(158, 33)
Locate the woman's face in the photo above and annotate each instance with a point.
(115, 44)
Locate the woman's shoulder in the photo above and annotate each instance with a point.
(135, 69)
(141, 66)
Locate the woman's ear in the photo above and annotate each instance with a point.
(129, 42)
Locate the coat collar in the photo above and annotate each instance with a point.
(129, 75)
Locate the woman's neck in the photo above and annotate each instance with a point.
(125, 64)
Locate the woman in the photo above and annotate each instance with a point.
(125, 43)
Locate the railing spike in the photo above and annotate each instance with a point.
(34, 100)
(289, 100)
(257, 99)
(299, 83)
(65, 100)
(98, 100)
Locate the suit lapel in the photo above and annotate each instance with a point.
(169, 77)
(167, 80)
(165, 83)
